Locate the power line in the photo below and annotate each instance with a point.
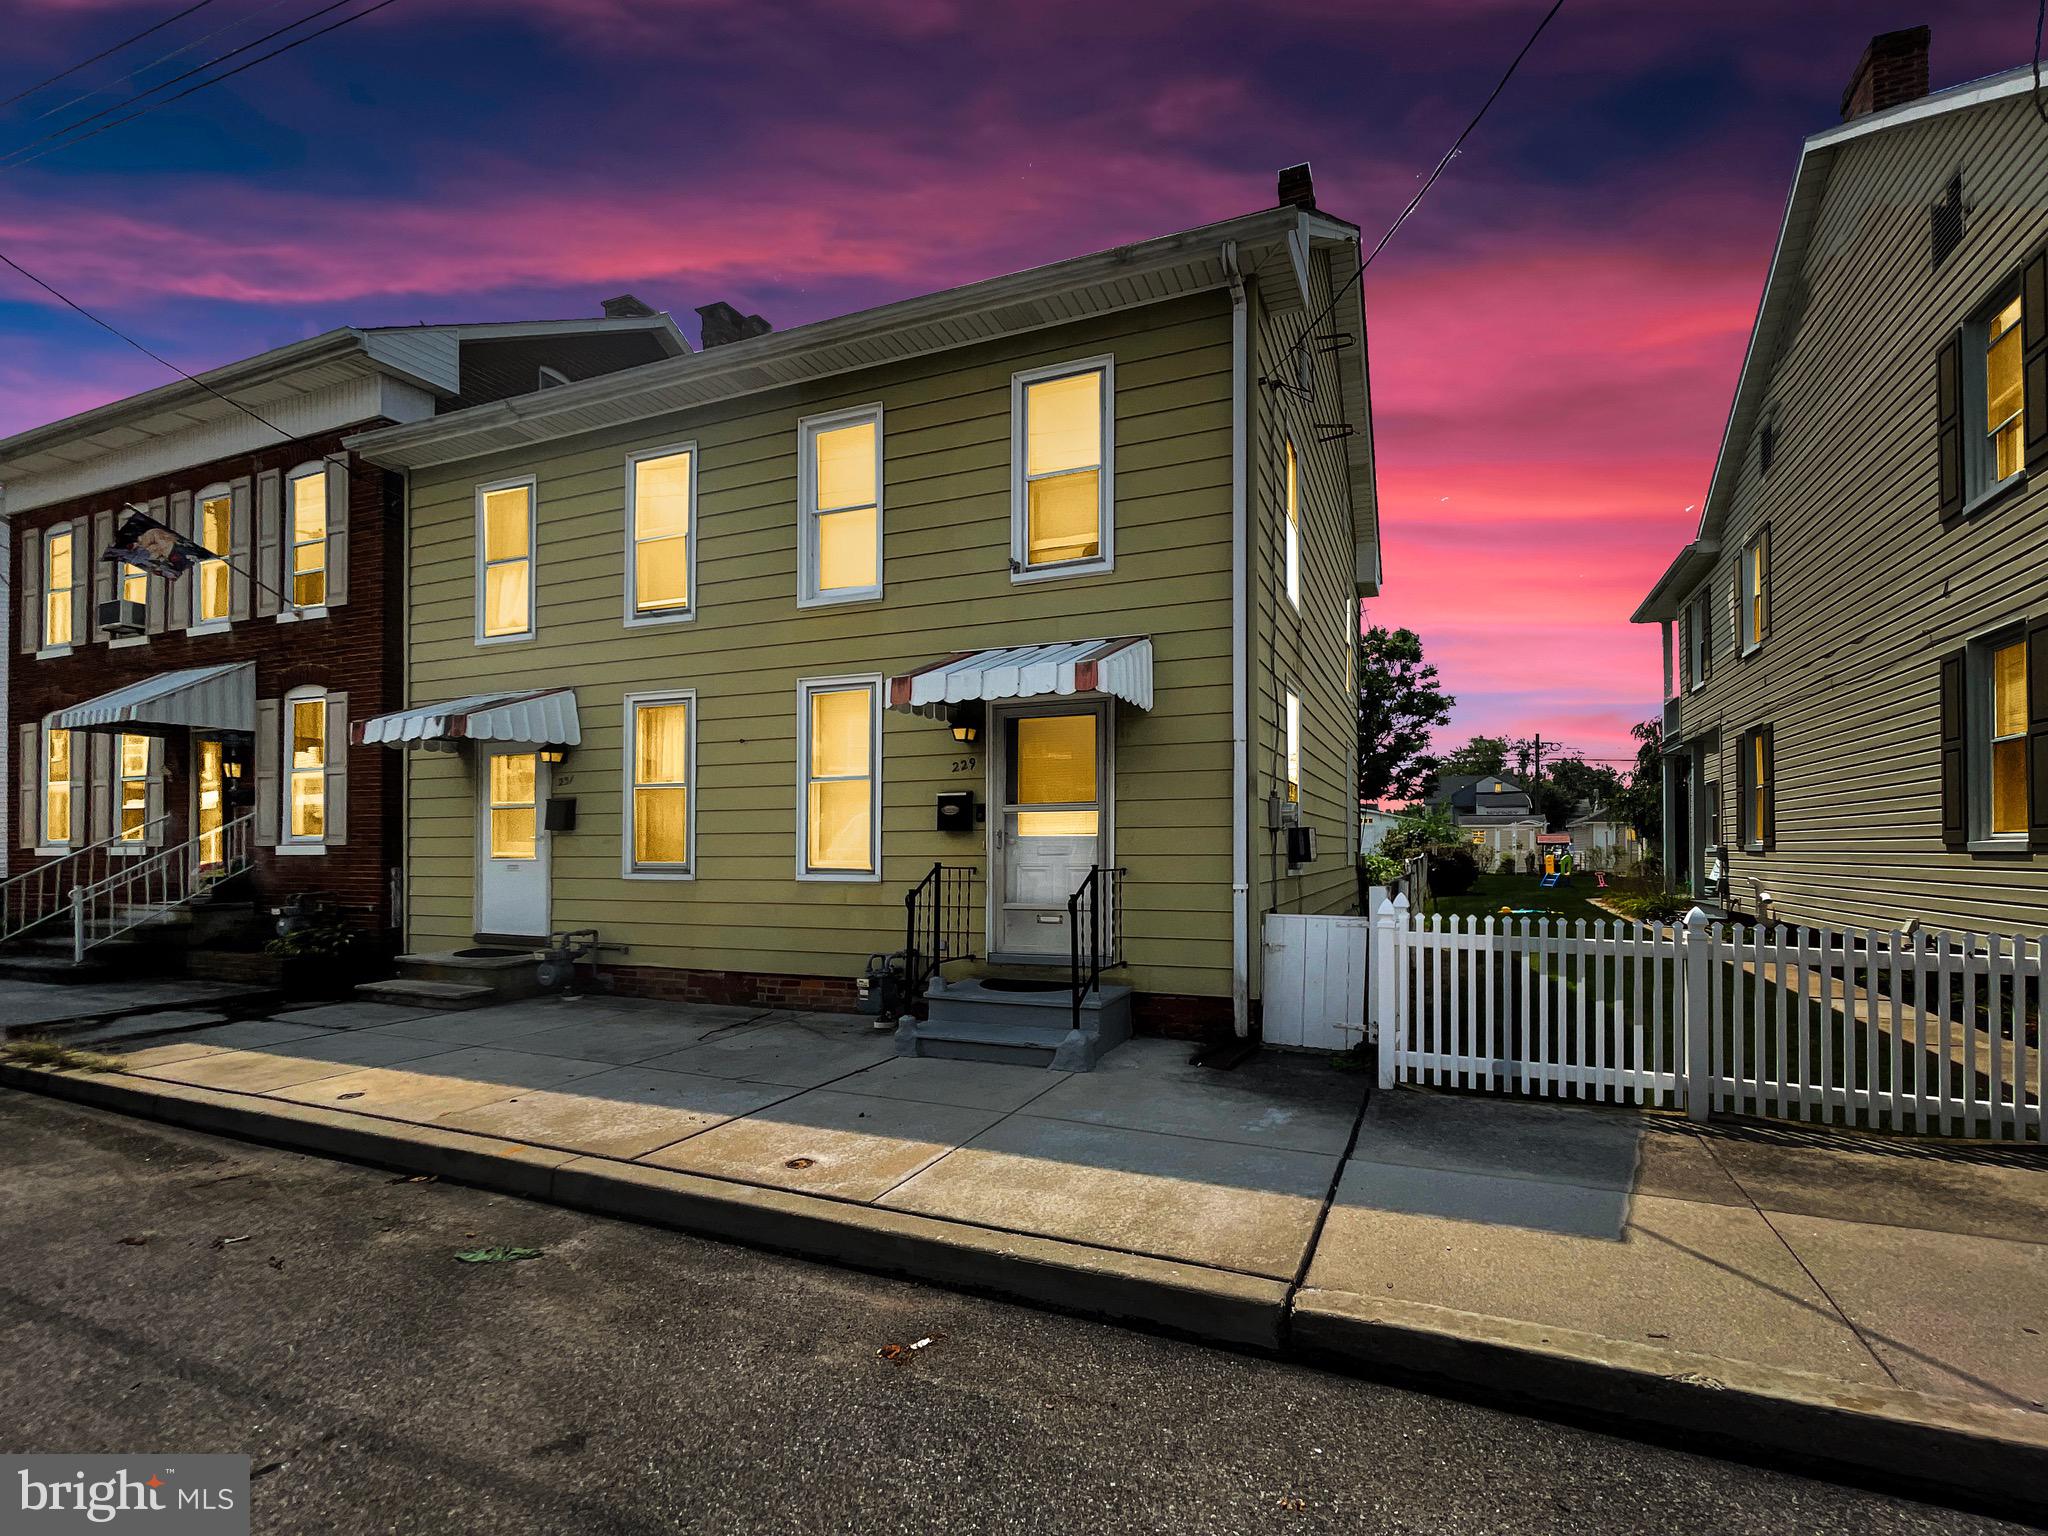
(163, 58)
(20, 156)
(103, 53)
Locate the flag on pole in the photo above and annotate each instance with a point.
(149, 545)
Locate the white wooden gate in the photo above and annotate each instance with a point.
(1314, 980)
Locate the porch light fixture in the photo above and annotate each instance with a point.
(231, 768)
(966, 719)
(553, 754)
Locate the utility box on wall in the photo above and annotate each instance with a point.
(558, 813)
(956, 811)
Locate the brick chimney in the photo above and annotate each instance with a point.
(625, 307)
(724, 324)
(1298, 188)
(1893, 70)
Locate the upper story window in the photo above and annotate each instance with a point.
(306, 554)
(1754, 604)
(839, 537)
(505, 539)
(1699, 638)
(1061, 454)
(1293, 532)
(839, 749)
(60, 619)
(661, 495)
(1981, 404)
(212, 580)
(660, 819)
(2004, 449)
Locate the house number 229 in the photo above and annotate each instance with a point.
(963, 764)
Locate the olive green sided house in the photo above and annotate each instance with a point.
(990, 654)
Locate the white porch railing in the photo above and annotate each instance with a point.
(1899, 1032)
(146, 888)
(36, 895)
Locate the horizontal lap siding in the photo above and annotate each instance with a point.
(946, 513)
(1870, 589)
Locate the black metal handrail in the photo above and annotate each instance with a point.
(1097, 902)
(938, 923)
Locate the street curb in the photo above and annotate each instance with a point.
(1214, 1305)
(1974, 1452)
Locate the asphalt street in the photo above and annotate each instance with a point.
(165, 1291)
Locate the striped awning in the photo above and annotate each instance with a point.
(221, 698)
(1119, 668)
(544, 718)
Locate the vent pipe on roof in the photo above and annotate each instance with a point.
(1892, 71)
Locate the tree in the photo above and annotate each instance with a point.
(1480, 756)
(1400, 701)
(1641, 802)
(1592, 784)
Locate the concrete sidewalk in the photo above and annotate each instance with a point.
(1869, 1304)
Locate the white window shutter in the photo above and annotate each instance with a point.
(178, 519)
(334, 814)
(153, 807)
(30, 588)
(269, 541)
(268, 745)
(101, 823)
(103, 588)
(337, 533)
(29, 801)
(241, 525)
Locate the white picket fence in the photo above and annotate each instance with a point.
(1925, 1034)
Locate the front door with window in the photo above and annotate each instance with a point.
(1053, 824)
(512, 851)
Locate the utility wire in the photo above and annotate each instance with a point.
(21, 155)
(102, 54)
(141, 69)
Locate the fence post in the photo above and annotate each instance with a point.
(1695, 976)
(1388, 919)
(78, 925)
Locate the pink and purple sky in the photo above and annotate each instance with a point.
(1555, 334)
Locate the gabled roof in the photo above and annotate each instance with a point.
(1778, 312)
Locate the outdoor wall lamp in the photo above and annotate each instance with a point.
(553, 754)
(966, 720)
(231, 768)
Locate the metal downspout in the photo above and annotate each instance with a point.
(1240, 658)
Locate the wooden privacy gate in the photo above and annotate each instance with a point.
(1904, 1032)
(1313, 992)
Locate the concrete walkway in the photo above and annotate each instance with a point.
(1880, 1289)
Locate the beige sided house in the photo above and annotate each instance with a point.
(1857, 729)
(1014, 625)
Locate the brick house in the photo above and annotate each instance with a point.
(165, 735)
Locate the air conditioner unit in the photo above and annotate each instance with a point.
(1301, 847)
(118, 616)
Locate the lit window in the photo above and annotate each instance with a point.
(1061, 515)
(306, 754)
(505, 599)
(211, 578)
(1293, 749)
(59, 553)
(513, 780)
(1756, 590)
(839, 810)
(658, 514)
(841, 530)
(56, 785)
(212, 800)
(1053, 761)
(2007, 757)
(1293, 527)
(134, 584)
(133, 790)
(2004, 394)
(307, 497)
(661, 783)
(1753, 784)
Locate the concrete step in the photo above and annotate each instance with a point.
(507, 973)
(1014, 1044)
(979, 1019)
(450, 995)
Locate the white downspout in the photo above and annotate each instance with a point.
(1240, 658)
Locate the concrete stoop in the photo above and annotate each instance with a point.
(977, 1018)
(458, 979)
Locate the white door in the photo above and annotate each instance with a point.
(1053, 823)
(511, 847)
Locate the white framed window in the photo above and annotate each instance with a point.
(505, 538)
(1293, 749)
(661, 544)
(305, 558)
(131, 584)
(58, 810)
(839, 507)
(1998, 738)
(1293, 530)
(60, 556)
(1755, 791)
(131, 788)
(1754, 607)
(661, 776)
(305, 767)
(1994, 429)
(213, 526)
(1062, 449)
(1699, 638)
(839, 778)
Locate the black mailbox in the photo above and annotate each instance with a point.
(956, 811)
(558, 813)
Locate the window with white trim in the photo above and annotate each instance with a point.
(1293, 529)
(57, 807)
(1062, 448)
(1998, 710)
(1293, 749)
(212, 580)
(839, 750)
(305, 759)
(661, 497)
(60, 552)
(2001, 452)
(1754, 608)
(661, 767)
(1699, 638)
(131, 792)
(504, 546)
(839, 534)
(306, 536)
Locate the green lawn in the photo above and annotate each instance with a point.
(1493, 892)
